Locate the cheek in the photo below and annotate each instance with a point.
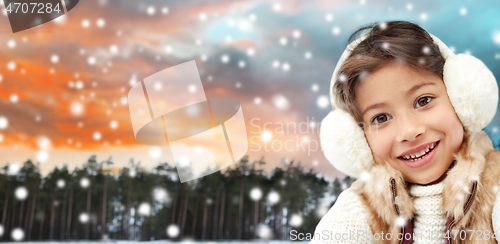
(447, 121)
(380, 144)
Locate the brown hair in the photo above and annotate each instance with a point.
(385, 42)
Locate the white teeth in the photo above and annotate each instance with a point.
(413, 157)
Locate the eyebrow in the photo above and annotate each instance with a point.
(408, 93)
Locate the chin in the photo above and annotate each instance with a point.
(425, 179)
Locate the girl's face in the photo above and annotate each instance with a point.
(409, 121)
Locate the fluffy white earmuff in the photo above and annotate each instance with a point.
(470, 85)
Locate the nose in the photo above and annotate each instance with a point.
(409, 127)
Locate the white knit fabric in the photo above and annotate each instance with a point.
(346, 218)
(429, 220)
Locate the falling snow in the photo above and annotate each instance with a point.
(336, 30)
(225, 58)
(61, 183)
(173, 231)
(264, 232)
(273, 197)
(323, 101)
(144, 209)
(84, 182)
(155, 152)
(21, 193)
(329, 17)
(296, 220)
(3, 123)
(84, 218)
(42, 156)
(85, 23)
(14, 168)
(17, 234)
(256, 194)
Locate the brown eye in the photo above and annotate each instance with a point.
(423, 101)
(381, 118)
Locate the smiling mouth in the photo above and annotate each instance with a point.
(412, 158)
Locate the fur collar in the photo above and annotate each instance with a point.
(388, 198)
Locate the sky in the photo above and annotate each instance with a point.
(64, 84)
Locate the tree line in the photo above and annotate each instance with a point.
(99, 201)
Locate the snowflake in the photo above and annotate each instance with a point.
(203, 16)
(365, 176)
(14, 98)
(144, 209)
(296, 34)
(250, 52)
(101, 22)
(151, 10)
(342, 78)
(323, 101)
(97, 136)
(17, 234)
(277, 7)
(286, 66)
(382, 25)
(155, 152)
(113, 49)
(329, 17)
(164, 10)
(85, 23)
(257, 100)
(113, 124)
(11, 44)
(11, 65)
(276, 64)
(84, 218)
(336, 30)
(409, 7)
(423, 16)
(463, 11)
(283, 41)
(225, 58)
(296, 220)
(173, 231)
(54, 58)
(400, 221)
(256, 194)
(91, 60)
(273, 197)
(281, 102)
(496, 37)
(42, 156)
(21, 193)
(385, 45)
(264, 232)
(252, 17)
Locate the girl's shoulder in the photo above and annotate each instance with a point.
(346, 219)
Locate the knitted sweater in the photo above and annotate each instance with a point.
(346, 221)
(429, 218)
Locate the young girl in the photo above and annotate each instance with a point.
(407, 121)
